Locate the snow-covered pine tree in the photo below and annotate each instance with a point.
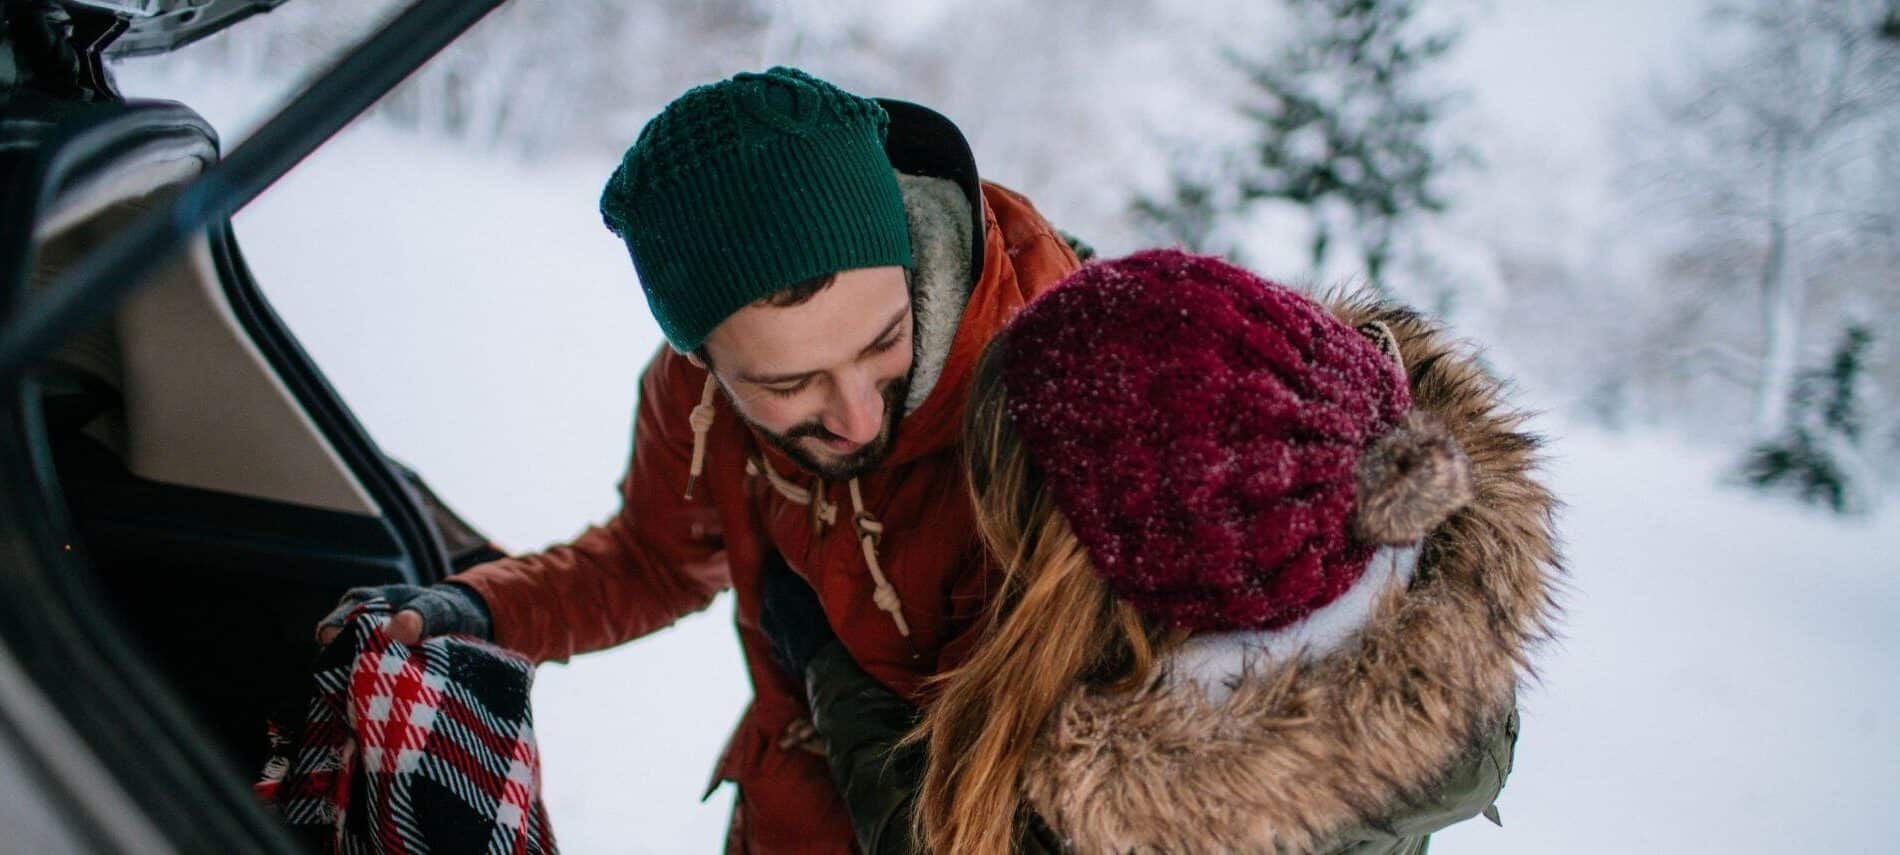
(1345, 121)
(1773, 159)
(1820, 457)
(1188, 214)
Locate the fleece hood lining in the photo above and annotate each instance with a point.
(941, 236)
(1218, 662)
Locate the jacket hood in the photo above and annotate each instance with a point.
(1022, 254)
(952, 230)
(924, 142)
(1244, 747)
(940, 278)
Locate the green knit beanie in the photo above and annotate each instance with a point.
(741, 188)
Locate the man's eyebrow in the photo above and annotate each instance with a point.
(889, 328)
(779, 379)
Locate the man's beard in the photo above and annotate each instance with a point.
(858, 462)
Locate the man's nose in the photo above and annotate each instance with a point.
(858, 412)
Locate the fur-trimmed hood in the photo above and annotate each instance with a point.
(1326, 730)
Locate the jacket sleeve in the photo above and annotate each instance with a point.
(658, 558)
(1470, 788)
(862, 723)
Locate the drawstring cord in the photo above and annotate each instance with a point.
(823, 513)
(702, 421)
(869, 532)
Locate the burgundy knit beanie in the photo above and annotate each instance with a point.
(1200, 428)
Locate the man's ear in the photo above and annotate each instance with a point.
(1388, 344)
(1382, 338)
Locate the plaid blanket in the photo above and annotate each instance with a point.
(411, 749)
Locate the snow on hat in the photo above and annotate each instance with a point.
(1206, 433)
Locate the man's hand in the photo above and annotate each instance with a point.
(445, 609)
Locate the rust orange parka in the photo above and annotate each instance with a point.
(653, 562)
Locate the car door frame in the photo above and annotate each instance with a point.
(127, 722)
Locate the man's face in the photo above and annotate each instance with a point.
(823, 380)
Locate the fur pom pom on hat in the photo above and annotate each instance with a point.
(1206, 433)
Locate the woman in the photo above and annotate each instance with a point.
(1270, 573)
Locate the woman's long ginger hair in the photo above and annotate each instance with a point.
(1051, 625)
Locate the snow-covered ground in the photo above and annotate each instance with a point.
(1727, 680)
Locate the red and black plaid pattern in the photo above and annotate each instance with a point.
(412, 749)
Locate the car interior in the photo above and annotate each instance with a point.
(221, 520)
(181, 472)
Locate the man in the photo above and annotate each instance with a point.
(826, 269)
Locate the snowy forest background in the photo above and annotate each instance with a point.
(1706, 243)
(1675, 224)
